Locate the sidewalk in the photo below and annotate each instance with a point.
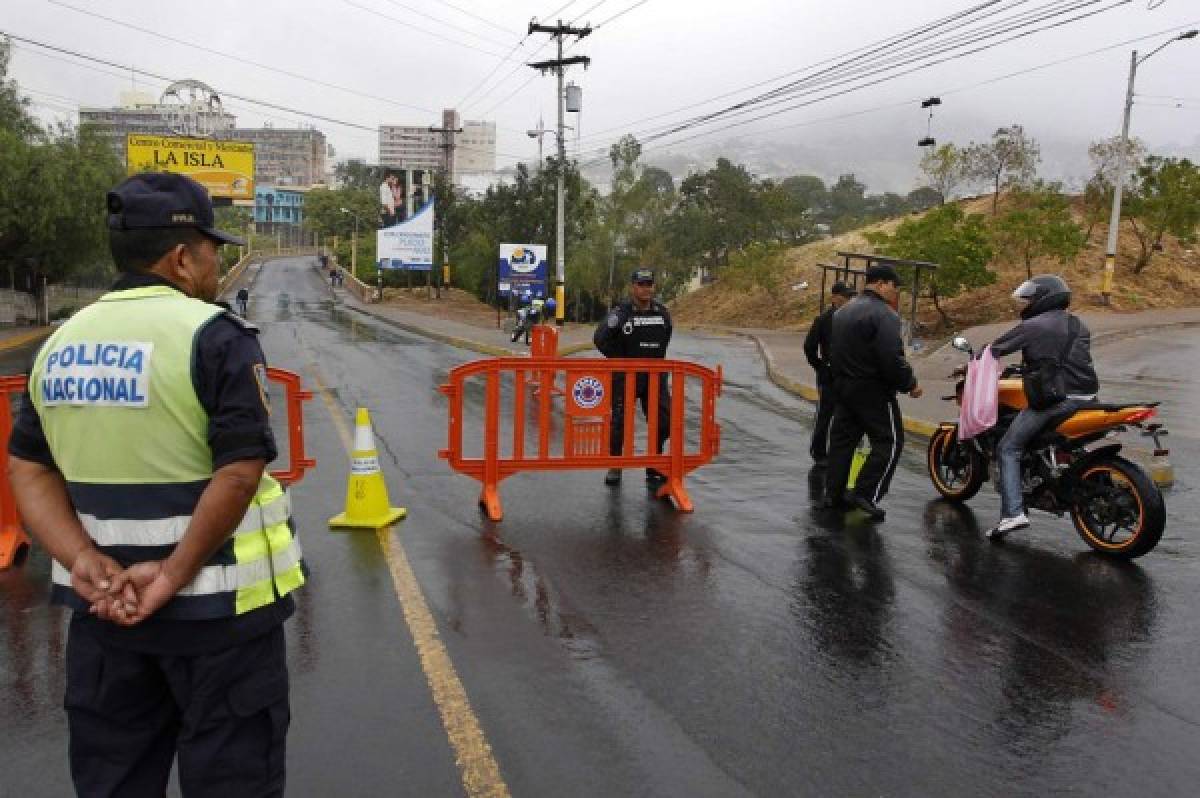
(788, 368)
(783, 353)
(572, 338)
(14, 337)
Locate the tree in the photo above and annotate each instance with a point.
(357, 173)
(809, 191)
(924, 198)
(1009, 159)
(944, 170)
(958, 243)
(1039, 225)
(847, 203)
(1105, 156)
(1165, 199)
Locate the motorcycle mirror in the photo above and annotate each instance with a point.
(961, 344)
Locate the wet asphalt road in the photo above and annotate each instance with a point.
(610, 646)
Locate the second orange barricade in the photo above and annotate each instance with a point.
(529, 423)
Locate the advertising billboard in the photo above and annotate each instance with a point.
(522, 267)
(225, 168)
(407, 245)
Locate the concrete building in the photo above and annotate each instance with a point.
(140, 112)
(282, 156)
(278, 205)
(410, 147)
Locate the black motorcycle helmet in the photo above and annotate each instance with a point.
(1042, 293)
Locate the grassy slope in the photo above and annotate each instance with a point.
(1171, 280)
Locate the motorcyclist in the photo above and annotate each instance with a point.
(523, 317)
(1042, 335)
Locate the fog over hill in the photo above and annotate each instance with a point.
(880, 149)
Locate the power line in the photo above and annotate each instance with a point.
(419, 29)
(619, 14)
(228, 94)
(785, 93)
(439, 21)
(240, 59)
(519, 67)
(943, 92)
(473, 15)
(888, 74)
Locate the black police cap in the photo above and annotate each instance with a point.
(882, 272)
(642, 276)
(161, 199)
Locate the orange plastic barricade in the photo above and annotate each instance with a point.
(296, 397)
(12, 534)
(582, 416)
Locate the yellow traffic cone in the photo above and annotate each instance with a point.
(367, 504)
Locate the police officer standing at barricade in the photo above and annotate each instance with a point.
(817, 351)
(869, 368)
(639, 327)
(138, 463)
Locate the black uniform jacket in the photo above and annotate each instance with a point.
(867, 348)
(817, 346)
(629, 332)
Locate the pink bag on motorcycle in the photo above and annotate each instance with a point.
(980, 396)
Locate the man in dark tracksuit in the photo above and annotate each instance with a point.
(638, 327)
(869, 368)
(817, 351)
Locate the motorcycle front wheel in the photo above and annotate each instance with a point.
(1119, 510)
(956, 468)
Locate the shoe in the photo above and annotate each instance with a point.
(613, 477)
(1007, 525)
(873, 510)
(655, 477)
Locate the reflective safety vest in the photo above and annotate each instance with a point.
(113, 389)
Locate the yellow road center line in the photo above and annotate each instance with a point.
(480, 773)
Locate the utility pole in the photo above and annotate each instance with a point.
(558, 66)
(449, 130)
(1114, 220)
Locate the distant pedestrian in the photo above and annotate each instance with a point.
(243, 299)
(639, 327)
(869, 368)
(817, 351)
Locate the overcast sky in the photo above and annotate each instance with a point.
(419, 56)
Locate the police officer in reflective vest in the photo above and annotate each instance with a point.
(639, 327)
(138, 463)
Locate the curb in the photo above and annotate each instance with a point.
(17, 341)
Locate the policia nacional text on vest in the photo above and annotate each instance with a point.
(96, 387)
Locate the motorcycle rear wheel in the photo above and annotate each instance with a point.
(956, 469)
(1121, 511)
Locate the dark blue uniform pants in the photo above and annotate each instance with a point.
(642, 393)
(226, 715)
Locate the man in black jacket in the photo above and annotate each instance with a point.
(638, 327)
(869, 368)
(1043, 335)
(816, 350)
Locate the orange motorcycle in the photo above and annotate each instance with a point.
(1068, 469)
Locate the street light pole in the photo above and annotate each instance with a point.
(1114, 219)
(353, 245)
